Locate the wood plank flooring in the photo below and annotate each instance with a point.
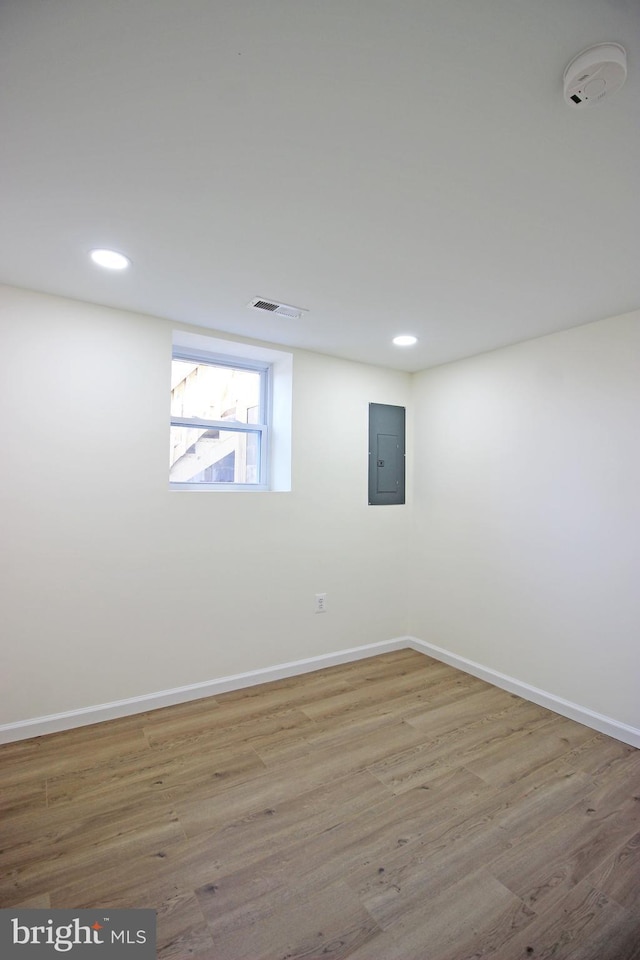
(389, 809)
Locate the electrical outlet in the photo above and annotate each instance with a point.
(321, 602)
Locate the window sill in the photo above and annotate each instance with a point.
(219, 487)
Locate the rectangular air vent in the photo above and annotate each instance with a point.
(264, 305)
(284, 310)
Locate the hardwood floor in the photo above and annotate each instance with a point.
(389, 809)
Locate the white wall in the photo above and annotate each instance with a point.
(112, 585)
(525, 547)
(518, 548)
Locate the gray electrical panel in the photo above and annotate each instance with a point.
(386, 453)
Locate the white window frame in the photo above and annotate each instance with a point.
(275, 429)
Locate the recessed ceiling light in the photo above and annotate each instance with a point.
(406, 340)
(110, 259)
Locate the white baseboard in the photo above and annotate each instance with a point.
(597, 721)
(39, 726)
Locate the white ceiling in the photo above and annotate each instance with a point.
(393, 166)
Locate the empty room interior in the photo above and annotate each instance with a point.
(316, 643)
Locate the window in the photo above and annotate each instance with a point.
(219, 422)
(230, 419)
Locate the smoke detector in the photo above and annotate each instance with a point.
(594, 74)
(284, 310)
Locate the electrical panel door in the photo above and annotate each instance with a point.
(386, 454)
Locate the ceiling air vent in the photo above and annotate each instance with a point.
(280, 309)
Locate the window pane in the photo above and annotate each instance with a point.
(213, 456)
(210, 392)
